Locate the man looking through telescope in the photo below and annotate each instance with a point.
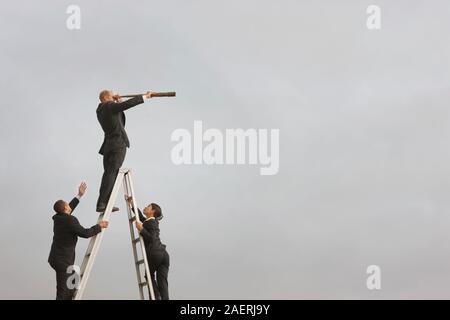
(111, 116)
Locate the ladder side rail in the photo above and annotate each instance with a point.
(88, 251)
(98, 238)
(144, 253)
(133, 244)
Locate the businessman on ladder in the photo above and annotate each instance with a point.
(110, 114)
(66, 230)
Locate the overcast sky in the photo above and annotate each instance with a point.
(364, 144)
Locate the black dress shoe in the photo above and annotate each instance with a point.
(101, 210)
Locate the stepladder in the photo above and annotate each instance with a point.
(141, 263)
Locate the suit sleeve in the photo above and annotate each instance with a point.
(141, 216)
(78, 229)
(147, 235)
(149, 231)
(122, 106)
(73, 204)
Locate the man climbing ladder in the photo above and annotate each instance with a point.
(66, 230)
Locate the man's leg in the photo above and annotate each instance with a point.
(62, 290)
(112, 161)
(162, 277)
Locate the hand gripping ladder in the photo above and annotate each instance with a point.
(140, 260)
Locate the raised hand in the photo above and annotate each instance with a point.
(117, 98)
(82, 189)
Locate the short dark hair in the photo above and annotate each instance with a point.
(157, 209)
(59, 206)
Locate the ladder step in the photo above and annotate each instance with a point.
(137, 240)
(140, 261)
(143, 284)
(132, 219)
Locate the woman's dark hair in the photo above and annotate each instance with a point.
(157, 209)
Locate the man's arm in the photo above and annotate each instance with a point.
(116, 107)
(73, 204)
(78, 229)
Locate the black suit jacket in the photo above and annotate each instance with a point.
(112, 119)
(150, 233)
(66, 230)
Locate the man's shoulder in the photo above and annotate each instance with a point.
(71, 218)
(63, 218)
(102, 106)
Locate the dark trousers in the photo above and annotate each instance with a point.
(112, 161)
(62, 289)
(159, 262)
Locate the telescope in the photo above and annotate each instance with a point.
(155, 94)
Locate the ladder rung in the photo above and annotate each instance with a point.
(142, 284)
(137, 240)
(132, 219)
(140, 261)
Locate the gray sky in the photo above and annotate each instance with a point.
(364, 134)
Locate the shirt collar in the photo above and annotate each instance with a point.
(149, 218)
